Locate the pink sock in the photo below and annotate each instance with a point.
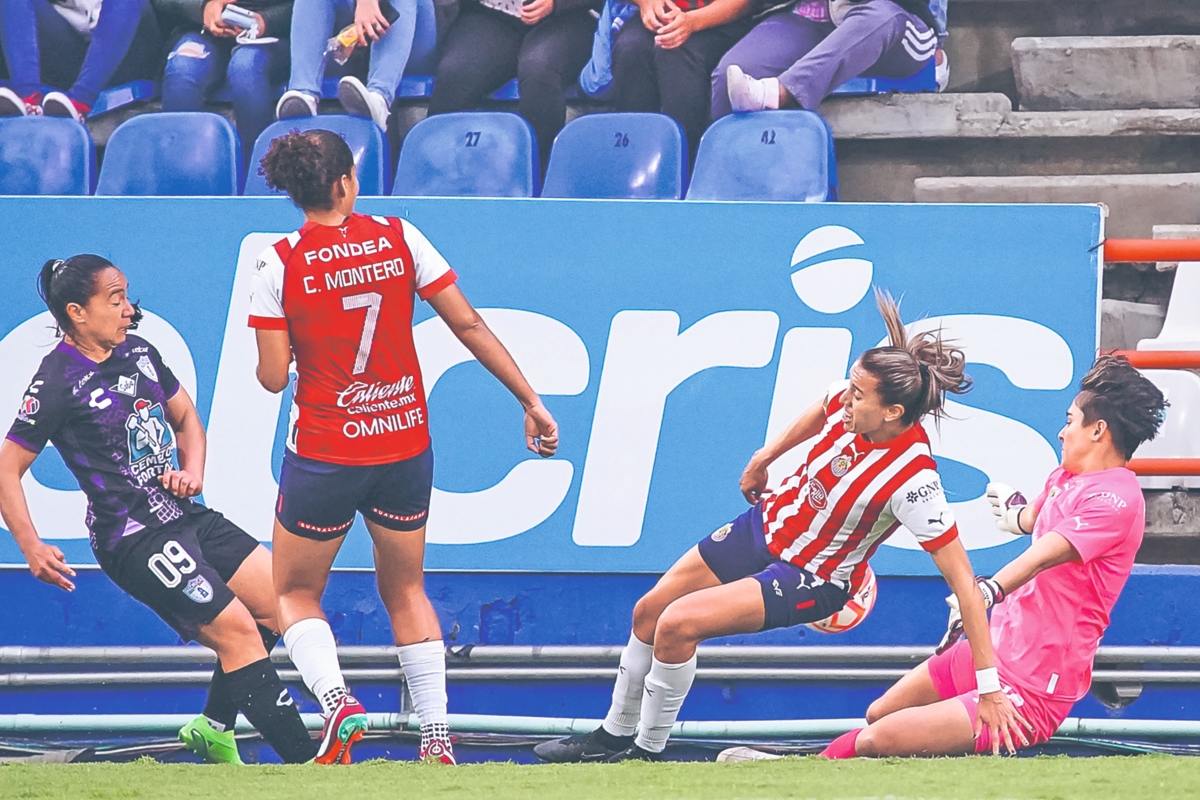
(843, 746)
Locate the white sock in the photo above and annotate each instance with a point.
(424, 666)
(626, 708)
(666, 687)
(750, 94)
(311, 647)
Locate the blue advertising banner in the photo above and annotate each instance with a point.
(669, 339)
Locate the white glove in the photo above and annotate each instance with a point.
(1007, 504)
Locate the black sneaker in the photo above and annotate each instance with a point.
(599, 745)
(634, 753)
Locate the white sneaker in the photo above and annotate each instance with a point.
(360, 101)
(296, 104)
(57, 104)
(735, 754)
(11, 105)
(941, 69)
(750, 94)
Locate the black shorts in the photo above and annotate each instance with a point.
(318, 500)
(181, 570)
(791, 596)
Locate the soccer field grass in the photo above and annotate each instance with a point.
(1062, 778)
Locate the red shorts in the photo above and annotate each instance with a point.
(953, 675)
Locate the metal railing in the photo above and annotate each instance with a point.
(184, 665)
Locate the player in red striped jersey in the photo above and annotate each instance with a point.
(338, 296)
(801, 551)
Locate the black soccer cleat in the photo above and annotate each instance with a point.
(599, 745)
(634, 753)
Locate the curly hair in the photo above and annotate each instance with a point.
(307, 165)
(914, 371)
(1127, 401)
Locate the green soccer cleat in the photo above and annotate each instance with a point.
(215, 747)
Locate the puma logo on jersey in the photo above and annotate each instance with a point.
(285, 699)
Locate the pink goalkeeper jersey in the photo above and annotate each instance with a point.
(1046, 632)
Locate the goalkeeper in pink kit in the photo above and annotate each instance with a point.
(1051, 604)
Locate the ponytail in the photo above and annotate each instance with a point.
(62, 282)
(914, 372)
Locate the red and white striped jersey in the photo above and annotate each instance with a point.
(345, 295)
(851, 495)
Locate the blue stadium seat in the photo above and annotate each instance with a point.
(469, 154)
(183, 153)
(631, 156)
(46, 155)
(766, 155)
(372, 157)
(923, 81)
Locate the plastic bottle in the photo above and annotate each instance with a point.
(340, 47)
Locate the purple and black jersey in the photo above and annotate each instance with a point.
(109, 422)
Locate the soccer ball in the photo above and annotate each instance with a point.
(855, 610)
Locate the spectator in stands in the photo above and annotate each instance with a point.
(797, 56)
(664, 63)
(542, 43)
(314, 21)
(76, 48)
(207, 52)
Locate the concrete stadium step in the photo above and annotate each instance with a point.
(989, 115)
(1135, 202)
(1106, 72)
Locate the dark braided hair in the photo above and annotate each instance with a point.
(307, 165)
(914, 372)
(1131, 406)
(73, 280)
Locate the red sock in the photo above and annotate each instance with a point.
(843, 746)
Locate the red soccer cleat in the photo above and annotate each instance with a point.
(343, 727)
(435, 744)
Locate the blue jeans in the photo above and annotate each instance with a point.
(201, 63)
(314, 21)
(41, 47)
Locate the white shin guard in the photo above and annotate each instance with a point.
(666, 687)
(424, 667)
(312, 648)
(626, 708)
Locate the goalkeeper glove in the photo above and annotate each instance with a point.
(1007, 504)
(992, 592)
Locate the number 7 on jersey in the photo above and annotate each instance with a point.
(372, 302)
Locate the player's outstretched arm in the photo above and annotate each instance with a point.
(996, 711)
(805, 426)
(1048, 551)
(191, 445)
(541, 431)
(46, 562)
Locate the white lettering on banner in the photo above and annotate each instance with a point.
(1031, 356)
(59, 513)
(555, 362)
(244, 416)
(647, 358)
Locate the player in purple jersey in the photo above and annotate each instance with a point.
(119, 419)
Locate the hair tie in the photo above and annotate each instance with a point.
(58, 265)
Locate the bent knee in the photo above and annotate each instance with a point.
(676, 626)
(876, 711)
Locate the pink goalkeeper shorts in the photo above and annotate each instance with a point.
(953, 675)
